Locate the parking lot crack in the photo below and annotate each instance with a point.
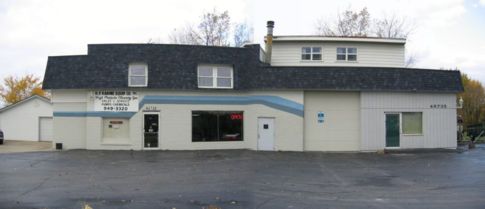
(34, 188)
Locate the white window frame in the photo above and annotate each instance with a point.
(346, 54)
(129, 75)
(214, 77)
(312, 53)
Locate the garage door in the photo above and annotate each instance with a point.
(45, 133)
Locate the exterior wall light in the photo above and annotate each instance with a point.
(460, 103)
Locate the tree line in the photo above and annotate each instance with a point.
(215, 29)
(473, 110)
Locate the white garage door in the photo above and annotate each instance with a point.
(45, 132)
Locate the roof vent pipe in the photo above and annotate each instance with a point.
(269, 41)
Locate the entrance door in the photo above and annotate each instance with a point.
(392, 130)
(265, 133)
(150, 135)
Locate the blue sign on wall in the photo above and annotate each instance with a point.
(320, 117)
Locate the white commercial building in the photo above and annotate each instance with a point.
(301, 93)
(27, 120)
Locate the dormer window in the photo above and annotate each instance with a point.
(346, 54)
(215, 76)
(311, 53)
(138, 75)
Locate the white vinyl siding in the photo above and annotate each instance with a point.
(215, 77)
(137, 75)
(22, 121)
(438, 124)
(175, 122)
(369, 54)
(340, 130)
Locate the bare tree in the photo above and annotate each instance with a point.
(185, 35)
(242, 34)
(349, 24)
(359, 24)
(213, 30)
(392, 27)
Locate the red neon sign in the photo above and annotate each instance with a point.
(236, 116)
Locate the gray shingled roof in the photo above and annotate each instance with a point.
(175, 67)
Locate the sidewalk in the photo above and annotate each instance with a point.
(11, 146)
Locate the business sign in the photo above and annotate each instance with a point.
(320, 117)
(116, 101)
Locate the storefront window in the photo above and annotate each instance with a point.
(115, 130)
(412, 123)
(217, 126)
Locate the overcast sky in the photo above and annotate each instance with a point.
(448, 34)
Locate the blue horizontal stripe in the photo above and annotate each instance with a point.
(270, 101)
(94, 114)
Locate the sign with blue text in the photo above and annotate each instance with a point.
(116, 101)
(320, 117)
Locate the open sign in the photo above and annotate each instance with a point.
(236, 116)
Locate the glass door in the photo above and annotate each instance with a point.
(150, 135)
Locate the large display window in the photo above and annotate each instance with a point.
(208, 126)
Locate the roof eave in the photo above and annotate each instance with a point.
(338, 39)
(44, 99)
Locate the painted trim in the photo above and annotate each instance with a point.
(275, 102)
(102, 114)
(338, 39)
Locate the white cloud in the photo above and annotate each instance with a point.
(35, 29)
(31, 30)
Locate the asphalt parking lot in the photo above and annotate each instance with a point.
(242, 179)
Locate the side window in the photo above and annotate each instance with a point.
(306, 53)
(346, 54)
(316, 53)
(311, 53)
(215, 77)
(352, 54)
(412, 123)
(206, 77)
(137, 75)
(341, 53)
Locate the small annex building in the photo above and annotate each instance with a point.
(27, 120)
(299, 93)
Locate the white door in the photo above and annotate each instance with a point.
(265, 133)
(45, 129)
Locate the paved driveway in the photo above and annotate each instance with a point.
(241, 179)
(10, 146)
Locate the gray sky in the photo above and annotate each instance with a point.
(448, 34)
